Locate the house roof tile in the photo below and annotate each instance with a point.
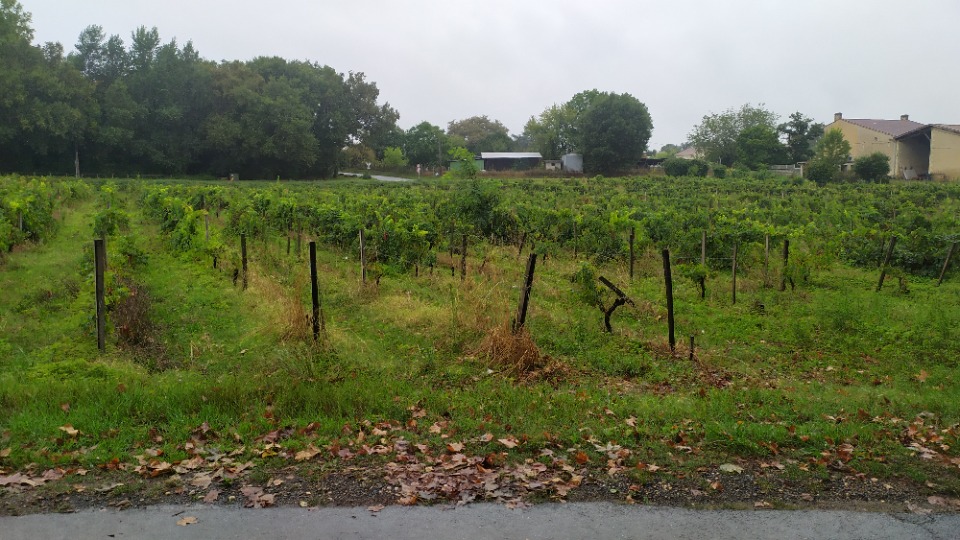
(894, 128)
(949, 127)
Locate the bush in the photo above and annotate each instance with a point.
(821, 172)
(393, 158)
(676, 166)
(585, 284)
(872, 168)
(698, 167)
(719, 171)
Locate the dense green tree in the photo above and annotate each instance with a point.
(614, 132)
(557, 130)
(47, 105)
(872, 168)
(480, 134)
(377, 124)
(675, 166)
(425, 144)
(716, 135)
(801, 135)
(551, 133)
(831, 153)
(759, 147)
(393, 158)
(833, 149)
(159, 108)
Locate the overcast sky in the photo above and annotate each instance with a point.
(443, 60)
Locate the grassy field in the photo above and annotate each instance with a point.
(418, 379)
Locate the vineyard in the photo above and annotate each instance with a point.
(809, 338)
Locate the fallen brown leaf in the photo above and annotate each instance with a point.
(509, 442)
(189, 520)
(211, 496)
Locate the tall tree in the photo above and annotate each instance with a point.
(716, 135)
(552, 131)
(615, 130)
(426, 144)
(480, 134)
(831, 153)
(46, 103)
(801, 134)
(758, 146)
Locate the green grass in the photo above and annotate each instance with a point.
(831, 362)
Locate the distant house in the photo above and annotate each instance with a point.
(915, 149)
(689, 152)
(507, 161)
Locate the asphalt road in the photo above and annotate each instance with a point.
(479, 521)
(380, 177)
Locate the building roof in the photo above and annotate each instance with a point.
(894, 128)
(925, 128)
(510, 155)
(949, 127)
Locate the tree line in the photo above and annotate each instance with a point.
(146, 106)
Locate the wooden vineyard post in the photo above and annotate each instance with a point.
(100, 260)
(521, 319)
(463, 257)
(243, 258)
(734, 272)
(622, 299)
(206, 226)
(703, 263)
(363, 260)
(703, 248)
(946, 262)
(633, 234)
(315, 293)
(786, 259)
(886, 262)
(523, 242)
(288, 244)
(766, 260)
(668, 281)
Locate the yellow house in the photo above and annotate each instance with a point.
(915, 149)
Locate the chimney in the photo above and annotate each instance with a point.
(837, 116)
(905, 117)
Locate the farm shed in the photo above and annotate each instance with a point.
(915, 150)
(506, 161)
(552, 164)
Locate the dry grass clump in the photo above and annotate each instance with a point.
(511, 353)
(286, 312)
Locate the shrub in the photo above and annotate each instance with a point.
(698, 167)
(393, 158)
(719, 171)
(585, 285)
(676, 166)
(821, 172)
(872, 168)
